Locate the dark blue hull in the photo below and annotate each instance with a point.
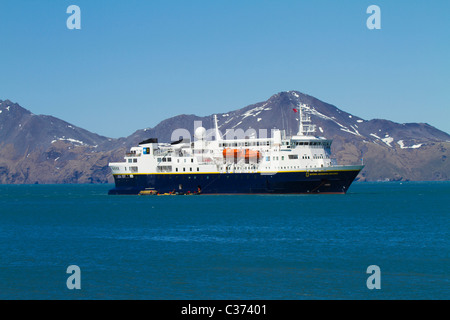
(238, 183)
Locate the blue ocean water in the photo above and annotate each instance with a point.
(225, 247)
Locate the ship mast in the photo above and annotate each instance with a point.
(304, 126)
(300, 121)
(216, 127)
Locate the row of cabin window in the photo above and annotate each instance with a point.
(198, 169)
(325, 144)
(244, 144)
(184, 169)
(267, 143)
(170, 160)
(291, 157)
(294, 157)
(132, 160)
(292, 167)
(218, 177)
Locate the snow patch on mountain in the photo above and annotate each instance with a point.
(237, 124)
(226, 122)
(250, 112)
(349, 131)
(70, 140)
(402, 145)
(388, 140)
(356, 131)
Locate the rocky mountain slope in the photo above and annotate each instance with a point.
(44, 149)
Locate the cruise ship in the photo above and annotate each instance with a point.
(298, 164)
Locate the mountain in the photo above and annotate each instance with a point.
(44, 149)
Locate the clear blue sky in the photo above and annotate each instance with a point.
(135, 63)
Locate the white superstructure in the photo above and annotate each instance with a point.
(279, 153)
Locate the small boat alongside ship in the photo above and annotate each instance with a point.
(299, 164)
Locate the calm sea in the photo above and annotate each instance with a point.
(225, 247)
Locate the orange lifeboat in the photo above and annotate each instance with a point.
(252, 154)
(232, 153)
